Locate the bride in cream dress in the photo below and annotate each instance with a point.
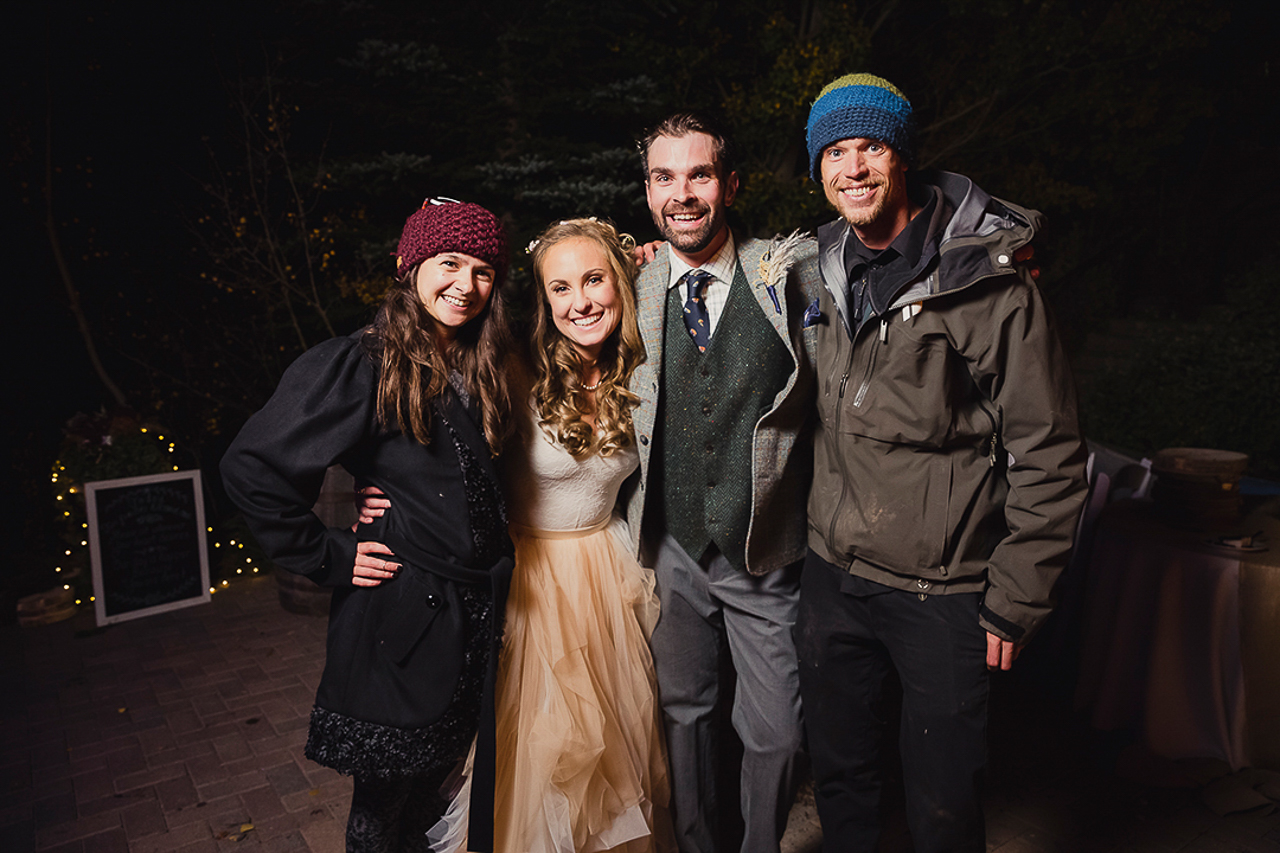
(581, 763)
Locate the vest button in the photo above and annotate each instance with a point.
(705, 371)
(706, 408)
(711, 448)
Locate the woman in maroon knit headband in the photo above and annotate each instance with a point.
(417, 404)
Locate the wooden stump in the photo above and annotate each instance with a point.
(45, 608)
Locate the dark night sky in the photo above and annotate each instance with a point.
(132, 90)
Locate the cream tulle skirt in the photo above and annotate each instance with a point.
(581, 761)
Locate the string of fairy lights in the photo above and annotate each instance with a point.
(69, 505)
(72, 564)
(240, 570)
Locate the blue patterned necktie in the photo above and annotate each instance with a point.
(696, 319)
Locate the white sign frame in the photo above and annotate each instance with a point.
(91, 490)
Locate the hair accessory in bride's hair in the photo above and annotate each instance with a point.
(626, 240)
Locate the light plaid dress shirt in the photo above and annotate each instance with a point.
(722, 266)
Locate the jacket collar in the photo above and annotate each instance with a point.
(976, 235)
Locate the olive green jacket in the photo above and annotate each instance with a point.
(948, 455)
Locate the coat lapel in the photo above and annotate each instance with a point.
(651, 301)
(466, 425)
(750, 253)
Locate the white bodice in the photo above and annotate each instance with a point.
(547, 489)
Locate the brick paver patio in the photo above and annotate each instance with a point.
(180, 731)
(184, 732)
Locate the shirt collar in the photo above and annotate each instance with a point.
(908, 245)
(722, 264)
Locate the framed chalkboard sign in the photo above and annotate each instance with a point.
(147, 545)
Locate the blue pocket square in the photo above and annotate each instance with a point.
(812, 316)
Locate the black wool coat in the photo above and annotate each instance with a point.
(409, 660)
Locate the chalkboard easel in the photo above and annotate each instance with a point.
(146, 545)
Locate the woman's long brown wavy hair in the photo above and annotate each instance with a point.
(558, 392)
(415, 369)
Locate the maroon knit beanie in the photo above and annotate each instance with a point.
(452, 227)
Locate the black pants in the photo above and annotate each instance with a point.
(393, 815)
(850, 634)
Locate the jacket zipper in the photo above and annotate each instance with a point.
(995, 435)
(844, 479)
(871, 364)
(858, 398)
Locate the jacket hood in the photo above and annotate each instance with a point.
(975, 235)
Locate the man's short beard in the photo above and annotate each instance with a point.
(690, 243)
(866, 216)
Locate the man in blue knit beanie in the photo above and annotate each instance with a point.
(948, 471)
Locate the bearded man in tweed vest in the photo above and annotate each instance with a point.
(725, 459)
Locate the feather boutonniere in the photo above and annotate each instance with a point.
(777, 261)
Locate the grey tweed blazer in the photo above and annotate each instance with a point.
(782, 455)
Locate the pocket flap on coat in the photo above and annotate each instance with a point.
(404, 624)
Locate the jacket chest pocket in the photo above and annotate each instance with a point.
(903, 387)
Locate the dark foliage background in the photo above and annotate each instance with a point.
(223, 182)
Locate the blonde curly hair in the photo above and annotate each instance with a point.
(557, 391)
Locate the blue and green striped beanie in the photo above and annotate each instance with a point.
(860, 106)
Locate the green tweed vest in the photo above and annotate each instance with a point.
(709, 408)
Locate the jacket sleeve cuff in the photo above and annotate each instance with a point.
(996, 624)
(339, 558)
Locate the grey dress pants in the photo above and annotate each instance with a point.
(709, 605)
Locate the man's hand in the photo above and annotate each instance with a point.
(372, 567)
(1000, 653)
(370, 504)
(1024, 256)
(643, 253)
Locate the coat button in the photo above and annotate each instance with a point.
(922, 584)
(644, 439)
(433, 600)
